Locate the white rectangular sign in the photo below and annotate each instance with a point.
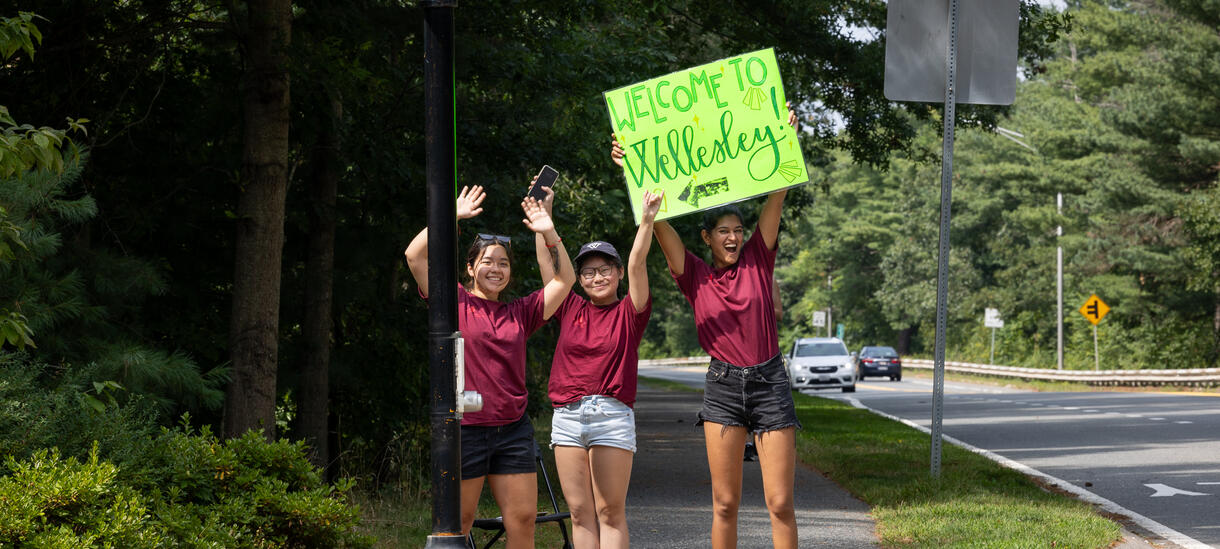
(819, 319)
(991, 318)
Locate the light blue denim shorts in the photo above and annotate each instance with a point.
(595, 420)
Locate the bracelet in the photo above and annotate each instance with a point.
(555, 244)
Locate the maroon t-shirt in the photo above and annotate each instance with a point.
(734, 312)
(494, 335)
(598, 350)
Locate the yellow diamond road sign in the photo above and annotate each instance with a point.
(1094, 309)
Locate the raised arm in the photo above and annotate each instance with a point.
(768, 220)
(468, 205)
(671, 244)
(548, 258)
(637, 264)
(556, 289)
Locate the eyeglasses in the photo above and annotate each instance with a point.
(591, 272)
(506, 241)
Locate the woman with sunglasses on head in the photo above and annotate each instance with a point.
(746, 387)
(593, 385)
(498, 441)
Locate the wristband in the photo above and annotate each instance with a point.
(555, 244)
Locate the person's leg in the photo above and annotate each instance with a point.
(611, 475)
(572, 464)
(777, 459)
(471, 489)
(725, 446)
(517, 496)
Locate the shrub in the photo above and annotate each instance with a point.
(51, 502)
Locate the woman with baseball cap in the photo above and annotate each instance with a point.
(593, 385)
(747, 386)
(498, 441)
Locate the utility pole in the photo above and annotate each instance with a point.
(829, 319)
(1059, 282)
(440, 150)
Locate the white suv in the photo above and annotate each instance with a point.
(821, 363)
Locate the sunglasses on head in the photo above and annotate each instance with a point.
(506, 241)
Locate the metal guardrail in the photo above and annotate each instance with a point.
(1193, 376)
(1142, 378)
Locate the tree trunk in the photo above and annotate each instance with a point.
(254, 324)
(319, 284)
(904, 341)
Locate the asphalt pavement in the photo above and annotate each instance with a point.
(669, 503)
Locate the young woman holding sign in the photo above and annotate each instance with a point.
(746, 384)
(498, 441)
(593, 385)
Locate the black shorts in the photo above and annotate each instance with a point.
(500, 450)
(758, 398)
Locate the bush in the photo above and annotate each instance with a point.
(122, 482)
(51, 502)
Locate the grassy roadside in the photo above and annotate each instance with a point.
(1051, 386)
(975, 503)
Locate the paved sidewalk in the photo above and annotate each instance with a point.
(669, 504)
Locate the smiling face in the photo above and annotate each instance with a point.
(725, 238)
(599, 276)
(490, 272)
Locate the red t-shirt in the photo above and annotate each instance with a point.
(494, 335)
(598, 350)
(734, 312)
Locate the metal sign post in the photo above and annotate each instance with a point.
(1094, 309)
(991, 319)
(913, 54)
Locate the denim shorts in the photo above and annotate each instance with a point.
(595, 420)
(758, 398)
(500, 450)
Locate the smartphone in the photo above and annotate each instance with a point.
(546, 178)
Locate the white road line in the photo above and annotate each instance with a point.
(1153, 526)
(1156, 419)
(1071, 407)
(1091, 411)
(1187, 423)
(1135, 415)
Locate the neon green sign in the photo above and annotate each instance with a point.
(708, 135)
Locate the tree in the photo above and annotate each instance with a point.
(254, 326)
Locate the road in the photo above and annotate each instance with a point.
(1156, 454)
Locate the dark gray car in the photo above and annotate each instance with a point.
(879, 362)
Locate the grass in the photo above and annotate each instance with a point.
(1048, 385)
(668, 385)
(401, 517)
(974, 503)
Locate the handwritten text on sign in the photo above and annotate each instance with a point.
(708, 135)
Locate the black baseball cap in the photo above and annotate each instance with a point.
(598, 247)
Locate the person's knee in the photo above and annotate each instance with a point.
(781, 506)
(583, 512)
(519, 520)
(725, 505)
(612, 514)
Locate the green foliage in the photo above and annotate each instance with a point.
(50, 502)
(244, 492)
(126, 483)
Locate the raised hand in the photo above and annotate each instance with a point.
(469, 202)
(652, 204)
(616, 151)
(792, 120)
(548, 203)
(536, 217)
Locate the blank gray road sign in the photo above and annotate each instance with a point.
(916, 42)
